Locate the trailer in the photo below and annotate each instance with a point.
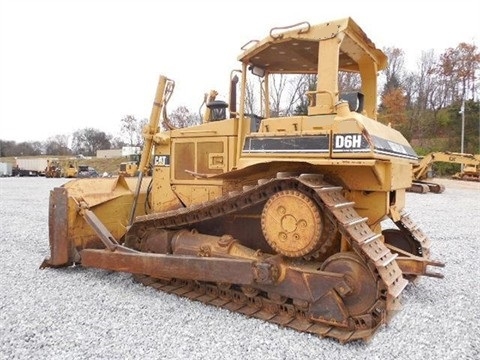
(30, 167)
(5, 169)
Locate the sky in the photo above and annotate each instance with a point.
(66, 65)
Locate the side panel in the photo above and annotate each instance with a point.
(162, 196)
(194, 158)
(193, 161)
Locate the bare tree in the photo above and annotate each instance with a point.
(7, 148)
(57, 145)
(182, 117)
(298, 85)
(305, 83)
(288, 93)
(418, 86)
(132, 130)
(118, 143)
(31, 148)
(278, 84)
(348, 82)
(87, 141)
(395, 70)
(253, 98)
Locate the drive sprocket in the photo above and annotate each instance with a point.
(292, 223)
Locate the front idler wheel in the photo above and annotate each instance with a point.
(363, 292)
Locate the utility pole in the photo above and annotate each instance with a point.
(462, 111)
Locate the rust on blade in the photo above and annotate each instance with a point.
(58, 229)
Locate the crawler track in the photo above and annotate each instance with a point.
(366, 244)
(422, 187)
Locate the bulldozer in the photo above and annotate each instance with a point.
(70, 169)
(279, 218)
(53, 168)
(57, 168)
(423, 170)
(130, 167)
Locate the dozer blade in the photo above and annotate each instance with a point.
(57, 224)
(110, 199)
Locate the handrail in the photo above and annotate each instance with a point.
(312, 99)
(244, 46)
(300, 31)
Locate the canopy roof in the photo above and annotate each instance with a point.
(294, 49)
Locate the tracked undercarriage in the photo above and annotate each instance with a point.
(422, 187)
(328, 274)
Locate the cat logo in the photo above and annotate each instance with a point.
(161, 160)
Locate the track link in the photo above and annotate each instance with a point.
(290, 313)
(407, 224)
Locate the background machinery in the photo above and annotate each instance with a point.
(70, 169)
(67, 168)
(470, 170)
(424, 170)
(130, 167)
(53, 169)
(277, 217)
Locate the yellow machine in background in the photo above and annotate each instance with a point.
(470, 169)
(276, 217)
(56, 168)
(423, 170)
(130, 167)
(70, 169)
(53, 169)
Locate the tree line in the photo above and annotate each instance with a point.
(83, 141)
(88, 141)
(427, 105)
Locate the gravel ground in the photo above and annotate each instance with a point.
(78, 313)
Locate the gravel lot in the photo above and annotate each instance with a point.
(78, 313)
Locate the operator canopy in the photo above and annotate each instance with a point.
(296, 51)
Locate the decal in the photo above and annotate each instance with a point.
(388, 147)
(285, 144)
(161, 160)
(350, 143)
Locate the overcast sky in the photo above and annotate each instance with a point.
(70, 64)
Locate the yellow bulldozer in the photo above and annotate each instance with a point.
(53, 168)
(281, 218)
(70, 169)
(130, 167)
(56, 168)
